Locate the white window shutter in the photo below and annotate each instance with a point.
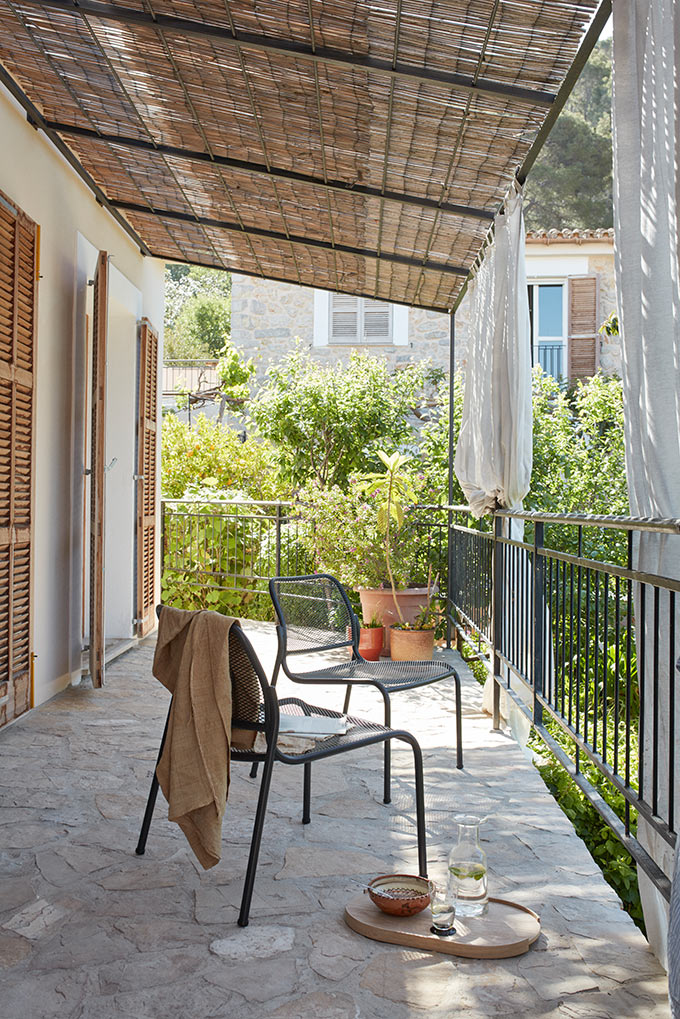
(400, 325)
(377, 321)
(344, 318)
(322, 301)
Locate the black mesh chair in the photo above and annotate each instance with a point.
(314, 615)
(255, 707)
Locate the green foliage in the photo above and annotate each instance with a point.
(578, 445)
(207, 452)
(391, 490)
(579, 461)
(208, 555)
(201, 329)
(183, 282)
(338, 531)
(329, 421)
(570, 185)
(434, 445)
(234, 374)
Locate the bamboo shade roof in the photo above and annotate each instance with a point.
(341, 144)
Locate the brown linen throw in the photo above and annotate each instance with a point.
(192, 661)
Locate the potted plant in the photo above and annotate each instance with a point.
(371, 638)
(390, 492)
(414, 641)
(340, 534)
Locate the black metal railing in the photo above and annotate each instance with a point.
(555, 600)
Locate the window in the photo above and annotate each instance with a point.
(345, 320)
(549, 327)
(359, 320)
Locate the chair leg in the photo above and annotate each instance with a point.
(253, 769)
(420, 807)
(306, 792)
(387, 772)
(256, 840)
(348, 694)
(275, 673)
(153, 793)
(148, 814)
(459, 723)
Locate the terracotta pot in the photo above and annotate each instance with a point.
(371, 642)
(377, 602)
(411, 645)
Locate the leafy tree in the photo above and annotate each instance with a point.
(329, 421)
(182, 282)
(570, 185)
(201, 328)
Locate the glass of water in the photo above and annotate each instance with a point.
(443, 907)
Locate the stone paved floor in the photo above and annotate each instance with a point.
(90, 931)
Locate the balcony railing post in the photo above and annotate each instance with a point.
(278, 539)
(498, 609)
(538, 624)
(450, 564)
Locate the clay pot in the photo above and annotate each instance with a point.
(411, 645)
(377, 602)
(371, 642)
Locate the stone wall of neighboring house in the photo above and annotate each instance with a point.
(267, 316)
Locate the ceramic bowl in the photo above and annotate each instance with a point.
(400, 894)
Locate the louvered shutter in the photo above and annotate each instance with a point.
(18, 283)
(583, 323)
(377, 322)
(344, 318)
(146, 478)
(97, 474)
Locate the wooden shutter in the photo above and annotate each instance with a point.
(147, 424)
(344, 318)
(97, 463)
(377, 321)
(583, 323)
(18, 309)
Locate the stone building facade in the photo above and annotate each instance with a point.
(563, 267)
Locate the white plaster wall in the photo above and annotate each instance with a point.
(40, 181)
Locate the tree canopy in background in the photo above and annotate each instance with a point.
(197, 312)
(570, 185)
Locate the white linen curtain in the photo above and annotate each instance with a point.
(494, 452)
(646, 202)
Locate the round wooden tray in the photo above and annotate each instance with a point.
(508, 929)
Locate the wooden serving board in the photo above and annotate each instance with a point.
(508, 929)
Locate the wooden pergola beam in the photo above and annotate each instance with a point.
(309, 242)
(292, 48)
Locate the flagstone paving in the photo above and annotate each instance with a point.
(88, 930)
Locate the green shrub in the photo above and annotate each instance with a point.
(208, 451)
(328, 421)
(207, 555)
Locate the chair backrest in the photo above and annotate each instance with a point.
(254, 704)
(314, 614)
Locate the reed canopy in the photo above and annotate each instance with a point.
(341, 144)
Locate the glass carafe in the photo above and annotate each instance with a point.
(467, 869)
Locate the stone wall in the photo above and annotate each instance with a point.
(267, 316)
(610, 346)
